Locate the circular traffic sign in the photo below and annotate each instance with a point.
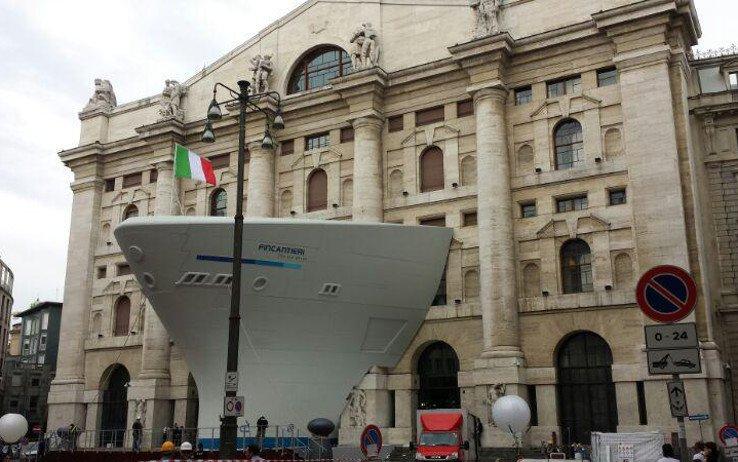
(371, 436)
(666, 293)
(728, 431)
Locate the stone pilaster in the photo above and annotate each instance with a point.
(260, 186)
(66, 400)
(368, 203)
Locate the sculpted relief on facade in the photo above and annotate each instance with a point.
(170, 104)
(365, 47)
(486, 17)
(357, 408)
(261, 70)
(103, 97)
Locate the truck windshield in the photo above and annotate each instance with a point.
(439, 439)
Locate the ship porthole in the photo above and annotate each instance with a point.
(135, 253)
(149, 280)
(259, 283)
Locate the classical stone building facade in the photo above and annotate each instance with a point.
(568, 146)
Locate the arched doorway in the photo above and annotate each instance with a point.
(438, 371)
(114, 406)
(586, 393)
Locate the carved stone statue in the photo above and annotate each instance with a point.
(170, 104)
(365, 50)
(710, 135)
(494, 392)
(261, 69)
(140, 410)
(357, 408)
(486, 13)
(103, 97)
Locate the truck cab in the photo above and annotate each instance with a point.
(445, 435)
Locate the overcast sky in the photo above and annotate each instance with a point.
(51, 52)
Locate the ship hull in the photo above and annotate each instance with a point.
(321, 302)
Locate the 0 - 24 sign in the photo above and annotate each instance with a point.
(672, 336)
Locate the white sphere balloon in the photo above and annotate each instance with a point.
(511, 413)
(13, 427)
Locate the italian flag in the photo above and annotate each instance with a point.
(187, 164)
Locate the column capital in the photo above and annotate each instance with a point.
(368, 121)
(256, 149)
(163, 165)
(496, 91)
(85, 184)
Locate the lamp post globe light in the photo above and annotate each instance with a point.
(274, 120)
(512, 414)
(13, 427)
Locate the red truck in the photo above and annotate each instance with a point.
(446, 435)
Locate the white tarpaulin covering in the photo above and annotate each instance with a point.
(626, 447)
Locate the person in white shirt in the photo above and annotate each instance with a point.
(699, 452)
(668, 451)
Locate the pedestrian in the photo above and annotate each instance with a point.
(73, 434)
(713, 453)
(200, 453)
(167, 451)
(699, 452)
(177, 434)
(185, 451)
(261, 427)
(165, 434)
(137, 431)
(252, 453)
(668, 451)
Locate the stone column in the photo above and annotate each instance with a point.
(260, 187)
(368, 204)
(498, 296)
(66, 401)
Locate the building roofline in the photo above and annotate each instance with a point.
(37, 307)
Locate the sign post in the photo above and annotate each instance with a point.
(371, 442)
(667, 294)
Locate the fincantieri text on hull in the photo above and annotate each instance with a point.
(274, 248)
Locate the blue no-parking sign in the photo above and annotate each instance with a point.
(666, 293)
(371, 441)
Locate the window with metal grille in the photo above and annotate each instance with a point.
(122, 316)
(566, 86)
(429, 116)
(431, 169)
(320, 140)
(607, 77)
(317, 68)
(134, 179)
(220, 161)
(528, 210)
(469, 219)
(733, 80)
(576, 267)
(347, 134)
(617, 196)
(569, 144)
(218, 203)
(287, 148)
(523, 95)
(570, 204)
(464, 108)
(317, 191)
(153, 175)
(395, 124)
(435, 221)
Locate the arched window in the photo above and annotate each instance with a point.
(586, 393)
(96, 328)
(569, 144)
(317, 191)
(318, 67)
(469, 171)
(431, 169)
(191, 212)
(218, 203)
(130, 212)
(576, 267)
(525, 160)
(122, 316)
(438, 373)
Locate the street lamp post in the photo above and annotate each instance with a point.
(246, 101)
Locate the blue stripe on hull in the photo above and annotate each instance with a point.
(249, 261)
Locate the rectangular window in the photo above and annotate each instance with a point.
(347, 134)
(153, 175)
(395, 124)
(429, 116)
(102, 272)
(134, 179)
(617, 196)
(123, 269)
(566, 86)
(523, 95)
(42, 343)
(288, 147)
(35, 381)
(26, 346)
(220, 161)
(642, 412)
(41, 359)
(533, 404)
(45, 321)
(469, 219)
(607, 77)
(17, 380)
(318, 141)
(33, 404)
(464, 108)
(528, 210)
(733, 78)
(109, 184)
(27, 327)
(571, 203)
(436, 221)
